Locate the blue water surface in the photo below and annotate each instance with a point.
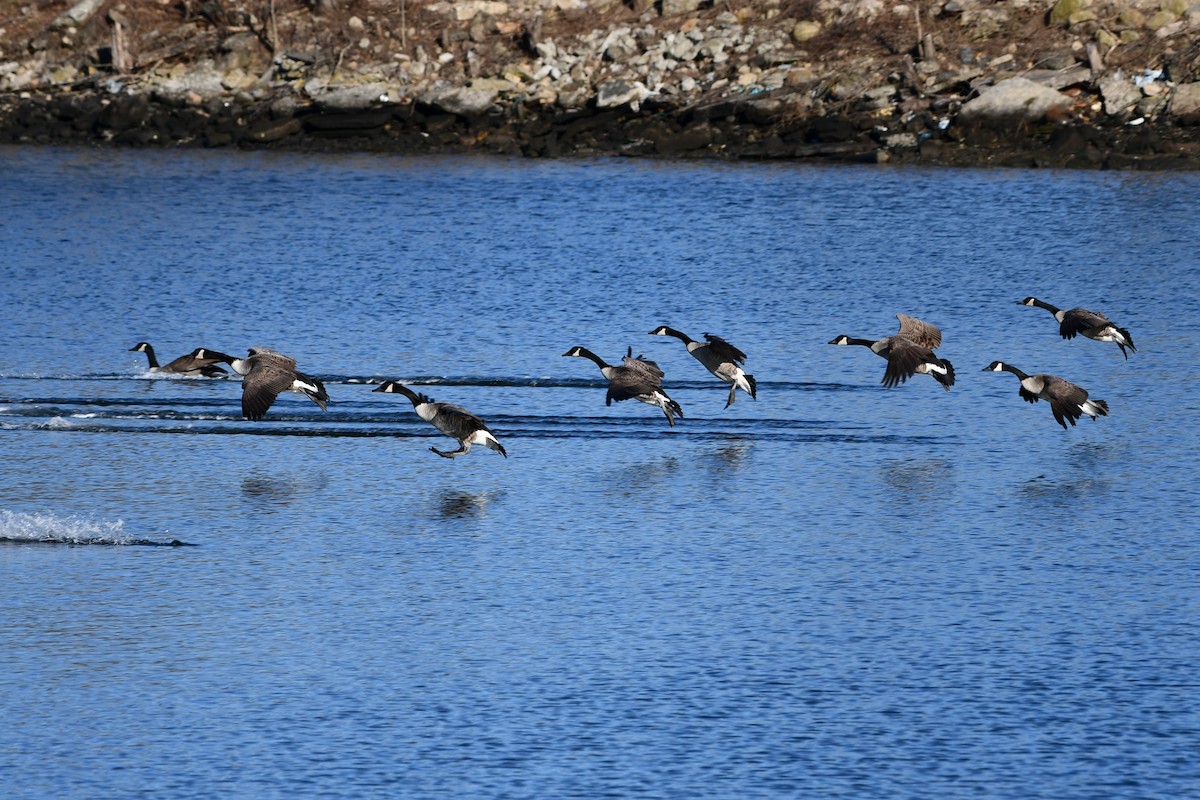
(835, 590)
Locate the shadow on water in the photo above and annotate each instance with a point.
(728, 458)
(457, 504)
(272, 490)
(919, 480)
(1085, 472)
(642, 478)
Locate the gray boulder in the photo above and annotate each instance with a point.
(470, 101)
(1014, 99)
(1185, 101)
(618, 93)
(348, 98)
(1119, 93)
(203, 79)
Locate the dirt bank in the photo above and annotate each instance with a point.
(963, 82)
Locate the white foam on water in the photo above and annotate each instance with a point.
(22, 527)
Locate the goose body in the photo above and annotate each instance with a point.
(1068, 402)
(718, 357)
(1092, 324)
(193, 365)
(908, 353)
(454, 421)
(267, 373)
(636, 378)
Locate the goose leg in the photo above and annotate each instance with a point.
(732, 392)
(462, 451)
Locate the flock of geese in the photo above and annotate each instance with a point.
(910, 351)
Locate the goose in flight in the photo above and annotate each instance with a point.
(454, 421)
(718, 357)
(908, 352)
(1091, 324)
(267, 373)
(636, 378)
(193, 365)
(1067, 401)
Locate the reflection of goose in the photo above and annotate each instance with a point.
(1068, 401)
(636, 378)
(453, 421)
(1091, 324)
(267, 374)
(463, 504)
(909, 352)
(194, 364)
(718, 357)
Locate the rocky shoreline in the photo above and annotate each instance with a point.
(1070, 83)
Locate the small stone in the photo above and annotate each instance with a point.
(805, 30)
(1160, 19)
(355, 24)
(1132, 18)
(1062, 11)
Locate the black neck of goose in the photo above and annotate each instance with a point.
(597, 360)
(412, 396)
(683, 337)
(149, 351)
(863, 342)
(1010, 368)
(1045, 305)
(218, 356)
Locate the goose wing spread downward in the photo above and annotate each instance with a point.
(903, 357)
(636, 378)
(262, 385)
(457, 422)
(724, 350)
(1079, 320)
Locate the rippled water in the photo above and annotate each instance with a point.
(837, 590)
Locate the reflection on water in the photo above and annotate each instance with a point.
(1042, 488)
(728, 458)
(630, 481)
(455, 503)
(273, 490)
(921, 480)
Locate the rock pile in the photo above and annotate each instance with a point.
(1070, 82)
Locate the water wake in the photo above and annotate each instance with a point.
(20, 528)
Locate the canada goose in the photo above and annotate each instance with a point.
(193, 364)
(1067, 401)
(638, 378)
(909, 352)
(454, 421)
(718, 357)
(1091, 324)
(267, 374)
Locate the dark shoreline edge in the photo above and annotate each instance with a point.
(750, 128)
